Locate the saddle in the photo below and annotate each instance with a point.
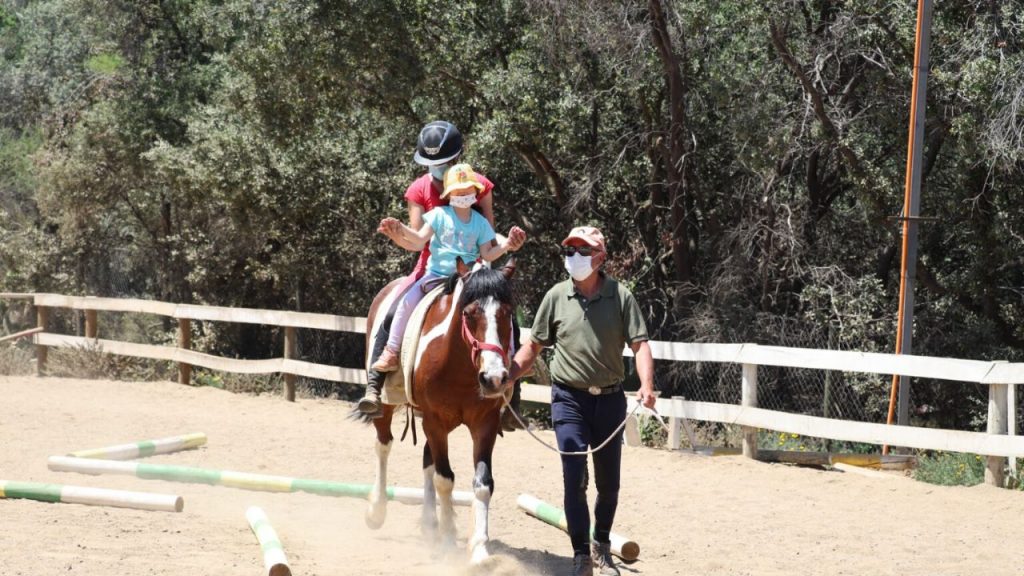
(398, 384)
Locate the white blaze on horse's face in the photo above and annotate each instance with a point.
(493, 370)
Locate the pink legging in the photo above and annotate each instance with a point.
(412, 297)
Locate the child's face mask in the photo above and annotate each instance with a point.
(578, 266)
(464, 201)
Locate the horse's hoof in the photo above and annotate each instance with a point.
(479, 554)
(447, 543)
(375, 520)
(429, 532)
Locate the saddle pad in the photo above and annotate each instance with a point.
(398, 384)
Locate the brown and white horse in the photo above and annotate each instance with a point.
(460, 374)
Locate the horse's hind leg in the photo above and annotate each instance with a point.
(377, 511)
(428, 520)
(484, 436)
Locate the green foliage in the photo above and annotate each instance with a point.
(211, 379)
(950, 469)
(652, 433)
(104, 63)
(240, 154)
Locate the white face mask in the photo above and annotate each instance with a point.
(462, 201)
(578, 266)
(438, 171)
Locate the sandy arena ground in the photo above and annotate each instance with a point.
(691, 515)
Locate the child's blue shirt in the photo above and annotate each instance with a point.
(453, 237)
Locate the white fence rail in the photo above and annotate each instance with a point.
(998, 442)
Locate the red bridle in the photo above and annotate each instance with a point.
(476, 346)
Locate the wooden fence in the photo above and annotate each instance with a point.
(997, 443)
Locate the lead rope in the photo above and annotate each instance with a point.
(584, 452)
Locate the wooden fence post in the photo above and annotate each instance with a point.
(42, 319)
(749, 398)
(1011, 421)
(91, 329)
(996, 425)
(675, 429)
(289, 353)
(185, 343)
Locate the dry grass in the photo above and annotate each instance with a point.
(15, 361)
(89, 361)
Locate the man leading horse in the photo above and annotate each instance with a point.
(588, 319)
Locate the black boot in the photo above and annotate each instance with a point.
(601, 553)
(369, 404)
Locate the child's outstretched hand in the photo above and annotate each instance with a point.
(390, 227)
(516, 238)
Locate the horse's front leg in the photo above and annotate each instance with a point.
(444, 480)
(377, 510)
(484, 435)
(428, 518)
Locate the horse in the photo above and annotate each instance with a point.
(460, 377)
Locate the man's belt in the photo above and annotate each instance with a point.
(595, 390)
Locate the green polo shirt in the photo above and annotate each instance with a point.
(588, 335)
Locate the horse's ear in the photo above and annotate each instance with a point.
(461, 267)
(509, 269)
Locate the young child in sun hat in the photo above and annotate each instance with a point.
(452, 231)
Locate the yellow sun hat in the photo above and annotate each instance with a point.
(460, 177)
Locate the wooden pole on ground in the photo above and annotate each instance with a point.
(42, 319)
(749, 399)
(185, 343)
(241, 480)
(622, 547)
(274, 558)
(289, 353)
(91, 496)
(144, 448)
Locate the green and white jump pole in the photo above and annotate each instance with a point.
(622, 547)
(273, 552)
(91, 496)
(144, 448)
(242, 480)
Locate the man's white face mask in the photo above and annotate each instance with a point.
(578, 266)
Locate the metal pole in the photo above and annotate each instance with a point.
(911, 207)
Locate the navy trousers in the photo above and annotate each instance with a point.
(582, 420)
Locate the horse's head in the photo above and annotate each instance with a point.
(487, 307)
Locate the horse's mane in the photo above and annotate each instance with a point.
(481, 284)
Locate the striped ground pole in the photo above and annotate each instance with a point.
(91, 496)
(144, 448)
(242, 480)
(625, 549)
(274, 559)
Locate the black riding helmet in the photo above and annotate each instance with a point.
(439, 142)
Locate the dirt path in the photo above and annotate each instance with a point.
(691, 515)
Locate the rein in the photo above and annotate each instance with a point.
(607, 440)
